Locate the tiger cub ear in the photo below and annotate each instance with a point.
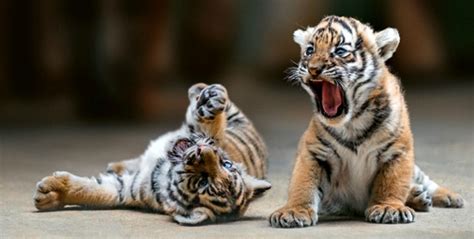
(257, 186)
(302, 36)
(387, 42)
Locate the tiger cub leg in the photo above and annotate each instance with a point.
(63, 188)
(426, 193)
(130, 166)
(301, 208)
(206, 108)
(389, 193)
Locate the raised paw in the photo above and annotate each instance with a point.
(211, 101)
(443, 197)
(50, 191)
(389, 214)
(289, 217)
(419, 198)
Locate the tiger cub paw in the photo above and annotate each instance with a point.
(50, 191)
(443, 197)
(390, 214)
(289, 217)
(210, 102)
(419, 199)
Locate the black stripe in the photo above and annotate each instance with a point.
(394, 157)
(342, 40)
(346, 143)
(320, 190)
(260, 155)
(234, 186)
(361, 110)
(353, 23)
(387, 146)
(155, 186)
(385, 149)
(343, 24)
(175, 199)
(254, 142)
(360, 71)
(250, 153)
(376, 67)
(324, 164)
(230, 117)
(330, 20)
(218, 203)
(98, 180)
(190, 184)
(234, 144)
(120, 190)
(327, 144)
(358, 85)
(191, 129)
(380, 115)
(132, 185)
(358, 44)
(182, 194)
(236, 120)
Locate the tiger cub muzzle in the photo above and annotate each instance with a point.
(206, 159)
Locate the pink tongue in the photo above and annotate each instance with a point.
(331, 98)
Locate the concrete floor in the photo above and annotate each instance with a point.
(442, 121)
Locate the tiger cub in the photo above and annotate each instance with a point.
(208, 170)
(357, 155)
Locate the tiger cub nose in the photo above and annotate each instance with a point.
(315, 70)
(206, 152)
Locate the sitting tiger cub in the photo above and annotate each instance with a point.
(193, 174)
(357, 154)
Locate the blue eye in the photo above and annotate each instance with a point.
(227, 164)
(203, 182)
(309, 50)
(340, 51)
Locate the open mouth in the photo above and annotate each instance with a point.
(329, 97)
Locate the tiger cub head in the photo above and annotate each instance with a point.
(341, 61)
(210, 187)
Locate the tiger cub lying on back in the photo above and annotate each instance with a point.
(193, 174)
(357, 154)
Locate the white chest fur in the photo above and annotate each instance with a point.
(351, 178)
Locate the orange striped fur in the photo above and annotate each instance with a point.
(208, 170)
(357, 154)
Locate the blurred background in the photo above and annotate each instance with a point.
(132, 61)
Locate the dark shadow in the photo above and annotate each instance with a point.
(323, 219)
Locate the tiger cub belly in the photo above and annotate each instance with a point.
(348, 192)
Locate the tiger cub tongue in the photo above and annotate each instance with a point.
(331, 98)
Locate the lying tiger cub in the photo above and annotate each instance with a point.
(193, 174)
(357, 154)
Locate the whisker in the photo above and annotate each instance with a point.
(293, 75)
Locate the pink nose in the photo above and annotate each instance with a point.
(201, 148)
(205, 151)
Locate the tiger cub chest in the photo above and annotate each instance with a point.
(347, 189)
